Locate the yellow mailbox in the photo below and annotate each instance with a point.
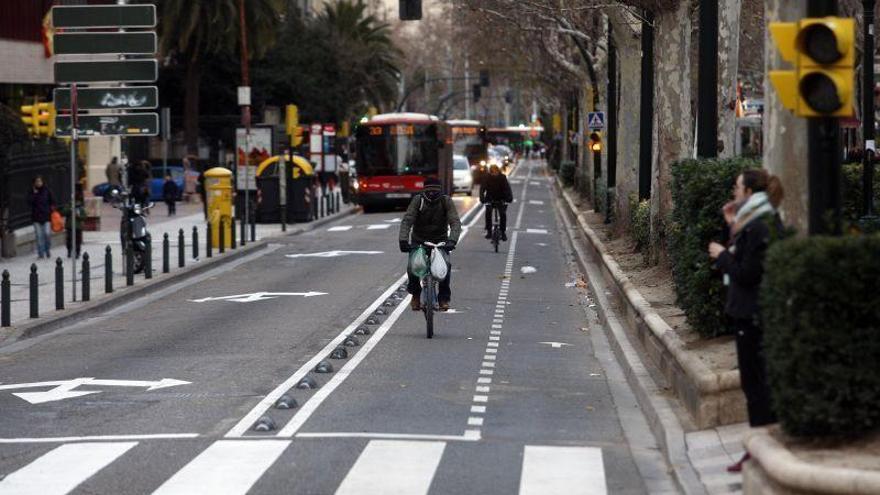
(218, 189)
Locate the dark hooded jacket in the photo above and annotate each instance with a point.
(430, 221)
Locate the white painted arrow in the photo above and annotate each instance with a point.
(257, 296)
(330, 254)
(555, 345)
(64, 389)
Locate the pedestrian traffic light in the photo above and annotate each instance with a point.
(596, 142)
(45, 124)
(822, 51)
(484, 78)
(477, 92)
(410, 10)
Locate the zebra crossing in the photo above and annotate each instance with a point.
(232, 467)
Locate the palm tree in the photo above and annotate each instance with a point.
(366, 43)
(192, 30)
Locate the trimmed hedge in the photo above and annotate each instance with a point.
(851, 196)
(821, 311)
(640, 222)
(699, 190)
(566, 172)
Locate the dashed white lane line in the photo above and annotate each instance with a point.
(484, 380)
(475, 421)
(340, 228)
(536, 231)
(481, 398)
(478, 409)
(535, 202)
(379, 226)
(492, 351)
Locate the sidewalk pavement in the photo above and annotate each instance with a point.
(711, 451)
(189, 215)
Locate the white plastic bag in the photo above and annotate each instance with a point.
(439, 267)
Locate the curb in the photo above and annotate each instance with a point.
(657, 409)
(123, 295)
(799, 476)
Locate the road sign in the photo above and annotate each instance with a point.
(258, 296)
(596, 120)
(135, 43)
(133, 124)
(64, 389)
(117, 71)
(104, 16)
(106, 98)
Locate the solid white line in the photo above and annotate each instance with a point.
(306, 410)
(62, 469)
(226, 467)
(522, 200)
(469, 436)
(242, 427)
(414, 464)
(98, 438)
(570, 470)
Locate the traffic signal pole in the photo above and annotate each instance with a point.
(73, 136)
(868, 109)
(823, 156)
(245, 117)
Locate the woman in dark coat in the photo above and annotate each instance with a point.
(42, 203)
(752, 227)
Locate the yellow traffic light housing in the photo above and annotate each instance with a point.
(30, 116)
(45, 125)
(596, 142)
(823, 53)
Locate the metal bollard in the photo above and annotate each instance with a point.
(323, 204)
(244, 222)
(254, 228)
(232, 233)
(5, 301)
(223, 236)
(108, 270)
(195, 242)
(129, 266)
(148, 265)
(208, 239)
(181, 249)
(314, 206)
(34, 297)
(86, 277)
(166, 253)
(59, 284)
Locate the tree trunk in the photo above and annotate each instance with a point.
(785, 136)
(674, 122)
(728, 68)
(191, 106)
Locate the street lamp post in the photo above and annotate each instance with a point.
(245, 116)
(868, 109)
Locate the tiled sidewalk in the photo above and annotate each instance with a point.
(711, 451)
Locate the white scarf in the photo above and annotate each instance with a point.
(757, 205)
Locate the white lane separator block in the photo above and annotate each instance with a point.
(62, 469)
(570, 470)
(478, 409)
(487, 364)
(484, 380)
(227, 467)
(340, 228)
(492, 344)
(487, 372)
(392, 467)
(483, 389)
(379, 226)
(475, 421)
(492, 351)
(481, 398)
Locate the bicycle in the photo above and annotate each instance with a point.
(496, 223)
(429, 288)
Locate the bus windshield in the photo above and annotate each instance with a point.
(397, 149)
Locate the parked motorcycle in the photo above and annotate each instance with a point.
(133, 232)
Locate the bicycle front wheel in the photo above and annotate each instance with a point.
(428, 305)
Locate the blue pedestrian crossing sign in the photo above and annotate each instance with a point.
(596, 120)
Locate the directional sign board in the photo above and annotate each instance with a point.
(137, 43)
(133, 124)
(104, 16)
(596, 120)
(117, 71)
(97, 98)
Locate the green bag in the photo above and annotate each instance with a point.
(418, 262)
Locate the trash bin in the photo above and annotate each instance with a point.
(218, 188)
(300, 177)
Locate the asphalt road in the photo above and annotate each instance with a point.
(517, 392)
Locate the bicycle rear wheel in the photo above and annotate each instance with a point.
(428, 305)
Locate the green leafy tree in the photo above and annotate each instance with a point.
(192, 31)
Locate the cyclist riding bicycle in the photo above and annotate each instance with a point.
(430, 217)
(495, 190)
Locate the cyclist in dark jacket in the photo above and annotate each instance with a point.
(496, 189)
(430, 217)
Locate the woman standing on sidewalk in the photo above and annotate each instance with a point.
(40, 199)
(752, 227)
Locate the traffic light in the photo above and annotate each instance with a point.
(477, 92)
(45, 119)
(822, 51)
(291, 125)
(484, 78)
(596, 142)
(30, 116)
(410, 10)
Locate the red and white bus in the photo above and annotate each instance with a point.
(395, 152)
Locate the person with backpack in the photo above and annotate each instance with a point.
(496, 191)
(430, 217)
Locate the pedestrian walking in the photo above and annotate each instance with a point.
(753, 226)
(169, 195)
(80, 212)
(114, 177)
(42, 203)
